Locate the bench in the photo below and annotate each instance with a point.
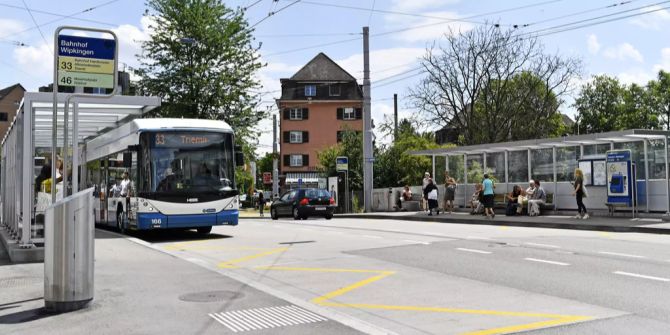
(500, 202)
(612, 206)
(413, 205)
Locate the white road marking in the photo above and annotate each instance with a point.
(477, 238)
(641, 276)
(371, 236)
(474, 250)
(420, 242)
(620, 254)
(546, 261)
(542, 245)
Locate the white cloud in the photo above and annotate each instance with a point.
(655, 21)
(665, 61)
(414, 5)
(624, 51)
(36, 61)
(130, 40)
(10, 27)
(426, 29)
(635, 76)
(592, 44)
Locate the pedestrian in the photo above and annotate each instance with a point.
(475, 200)
(513, 201)
(426, 178)
(488, 186)
(580, 193)
(430, 193)
(449, 195)
(261, 203)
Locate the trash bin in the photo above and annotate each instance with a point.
(68, 253)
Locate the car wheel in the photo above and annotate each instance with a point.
(204, 230)
(296, 214)
(304, 217)
(120, 221)
(329, 216)
(273, 214)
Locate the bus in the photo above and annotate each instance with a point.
(181, 174)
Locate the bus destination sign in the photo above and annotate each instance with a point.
(177, 140)
(86, 61)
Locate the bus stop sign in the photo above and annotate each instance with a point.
(342, 163)
(86, 61)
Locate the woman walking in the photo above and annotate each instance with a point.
(579, 194)
(488, 196)
(430, 193)
(449, 195)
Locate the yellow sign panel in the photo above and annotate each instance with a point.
(66, 78)
(86, 65)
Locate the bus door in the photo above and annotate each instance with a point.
(104, 195)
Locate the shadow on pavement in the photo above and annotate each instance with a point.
(175, 235)
(25, 316)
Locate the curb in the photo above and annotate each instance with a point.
(503, 222)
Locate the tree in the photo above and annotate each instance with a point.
(200, 61)
(660, 96)
(604, 104)
(350, 146)
(394, 165)
(598, 104)
(479, 66)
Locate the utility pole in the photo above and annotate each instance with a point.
(368, 154)
(275, 168)
(395, 117)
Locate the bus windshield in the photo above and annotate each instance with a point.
(189, 162)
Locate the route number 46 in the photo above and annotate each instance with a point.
(66, 80)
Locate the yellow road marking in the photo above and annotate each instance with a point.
(529, 326)
(326, 300)
(231, 263)
(504, 227)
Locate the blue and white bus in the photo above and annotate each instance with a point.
(181, 175)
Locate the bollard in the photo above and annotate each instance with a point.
(69, 253)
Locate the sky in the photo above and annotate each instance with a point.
(631, 48)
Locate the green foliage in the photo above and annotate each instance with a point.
(200, 61)
(394, 166)
(243, 180)
(352, 147)
(356, 204)
(476, 173)
(660, 96)
(604, 104)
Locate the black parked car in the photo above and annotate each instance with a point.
(303, 203)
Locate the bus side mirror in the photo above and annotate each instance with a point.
(127, 159)
(239, 156)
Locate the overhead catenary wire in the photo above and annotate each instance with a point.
(61, 17)
(270, 14)
(35, 22)
(616, 4)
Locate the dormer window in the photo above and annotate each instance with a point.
(334, 90)
(310, 90)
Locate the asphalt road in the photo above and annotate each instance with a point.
(432, 278)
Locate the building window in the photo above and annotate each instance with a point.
(334, 90)
(349, 113)
(4, 116)
(296, 137)
(310, 90)
(296, 114)
(296, 160)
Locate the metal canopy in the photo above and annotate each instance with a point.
(630, 135)
(95, 115)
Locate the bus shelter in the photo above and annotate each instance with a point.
(553, 162)
(27, 146)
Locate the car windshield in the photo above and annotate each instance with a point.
(186, 162)
(312, 194)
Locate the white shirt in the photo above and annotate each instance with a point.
(125, 187)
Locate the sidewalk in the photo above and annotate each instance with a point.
(139, 290)
(598, 223)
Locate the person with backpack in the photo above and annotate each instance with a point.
(580, 193)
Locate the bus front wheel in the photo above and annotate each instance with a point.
(204, 230)
(119, 221)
